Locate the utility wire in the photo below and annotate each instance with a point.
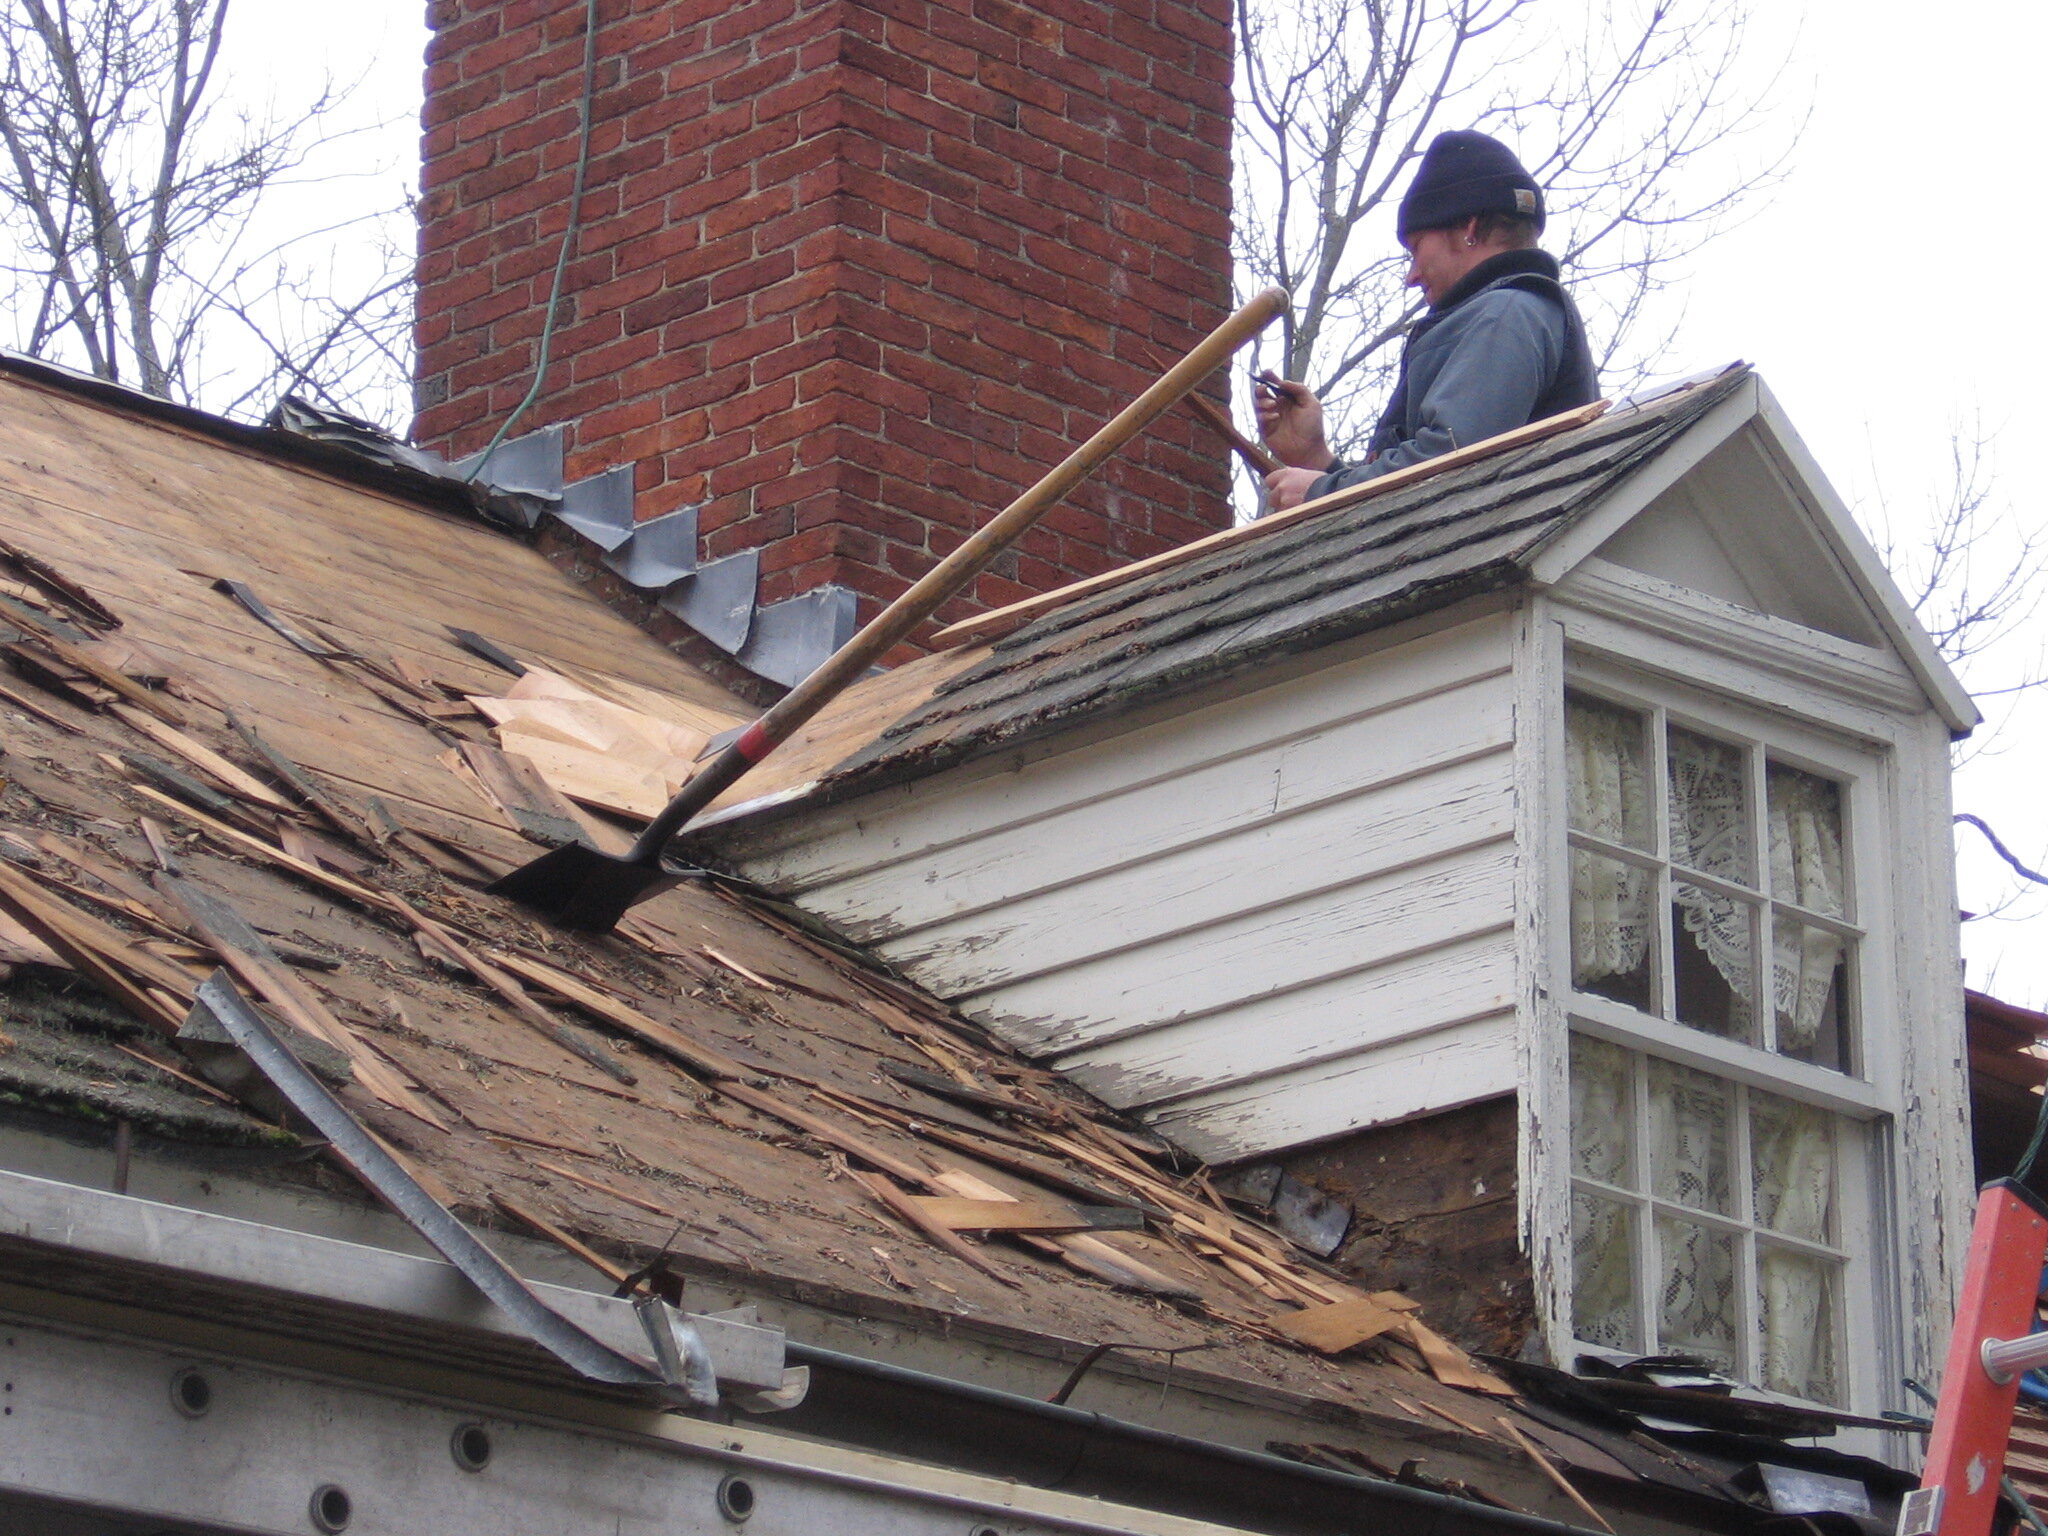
(569, 232)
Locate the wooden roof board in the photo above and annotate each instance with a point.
(339, 553)
(102, 496)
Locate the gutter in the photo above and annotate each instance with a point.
(902, 1412)
(72, 1240)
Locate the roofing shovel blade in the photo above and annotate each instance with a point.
(578, 887)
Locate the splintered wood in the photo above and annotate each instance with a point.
(625, 758)
(319, 821)
(1340, 1325)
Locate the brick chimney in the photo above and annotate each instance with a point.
(850, 275)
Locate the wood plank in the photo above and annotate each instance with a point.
(846, 725)
(615, 1273)
(440, 940)
(523, 793)
(1086, 1252)
(808, 852)
(232, 776)
(897, 1202)
(83, 658)
(704, 1060)
(18, 946)
(1450, 1364)
(1437, 1071)
(335, 581)
(622, 788)
(1001, 621)
(964, 1215)
(1337, 1326)
(701, 717)
(245, 952)
(140, 570)
(28, 706)
(1383, 1003)
(1550, 1471)
(1323, 936)
(833, 1135)
(1130, 894)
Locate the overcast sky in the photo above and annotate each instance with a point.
(1888, 293)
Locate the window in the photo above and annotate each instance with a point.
(1708, 1220)
(1723, 1120)
(1709, 883)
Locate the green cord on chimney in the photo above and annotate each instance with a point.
(569, 233)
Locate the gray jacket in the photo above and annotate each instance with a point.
(1506, 347)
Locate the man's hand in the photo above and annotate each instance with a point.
(1289, 487)
(1291, 422)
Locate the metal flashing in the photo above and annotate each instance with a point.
(531, 462)
(792, 637)
(692, 1381)
(600, 507)
(718, 601)
(657, 553)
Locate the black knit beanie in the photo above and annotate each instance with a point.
(1464, 174)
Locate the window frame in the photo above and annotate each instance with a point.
(1870, 1086)
(1868, 1095)
(1858, 1210)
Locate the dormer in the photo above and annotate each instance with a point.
(1572, 817)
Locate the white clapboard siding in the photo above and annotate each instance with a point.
(907, 826)
(1410, 995)
(1130, 899)
(1273, 887)
(1437, 1071)
(1213, 969)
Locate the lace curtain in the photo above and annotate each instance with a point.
(1709, 824)
(1608, 794)
(1709, 816)
(1692, 1121)
(1806, 868)
(1603, 1246)
(1689, 1162)
(1792, 1169)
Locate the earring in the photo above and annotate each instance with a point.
(1471, 239)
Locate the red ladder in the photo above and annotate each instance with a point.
(1992, 1347)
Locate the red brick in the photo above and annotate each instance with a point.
(857, 271)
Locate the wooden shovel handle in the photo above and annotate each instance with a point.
(881, 634)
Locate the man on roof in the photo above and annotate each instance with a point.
(1501, 345)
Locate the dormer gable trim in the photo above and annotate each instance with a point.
(1753, 406)
(1814, 671)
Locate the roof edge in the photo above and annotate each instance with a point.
(268, 442)
(1754, 404)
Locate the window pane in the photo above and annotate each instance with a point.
(1611, 928)
(1690, 1119)
(1808, 981)
(1604, 1273)
(1713, 949)
(1609, 774)
(1792, 1166)
(1796, 1302)
(1806, 840)
(1710, 807)
(1696, 1301)
(1603, 1077)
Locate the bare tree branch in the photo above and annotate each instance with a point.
(1636, 125)
(1964, 818)
(129, 198)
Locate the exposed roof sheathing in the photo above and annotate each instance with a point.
(785, 1077)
